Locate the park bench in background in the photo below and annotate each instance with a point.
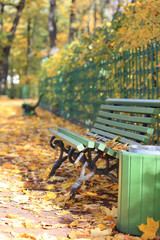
(119, 124)
(29, 110)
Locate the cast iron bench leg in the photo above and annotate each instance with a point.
(77, 185)
(61, 159)
(90, 163)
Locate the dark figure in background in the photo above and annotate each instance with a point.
(29, 110)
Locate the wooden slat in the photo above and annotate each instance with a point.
(122, 125)
(134, 119)
(142, 110)
(137, 102)
(109, 135)
(119, 132)
(87, 142)
(104, 139)
(75, 144)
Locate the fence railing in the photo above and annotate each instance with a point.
(76, 95)
(138, 72)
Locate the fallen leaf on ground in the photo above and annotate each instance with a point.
(150, 229)
(98, 233)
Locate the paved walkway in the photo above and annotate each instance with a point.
(31, 207)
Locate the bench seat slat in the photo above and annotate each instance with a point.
(75, 144)
(87, 142)
(128, 126)
(147, 120)
(142, 110)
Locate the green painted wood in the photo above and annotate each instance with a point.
(111, 152)
(86, 142)
(130, 109)
(139, 191)
(147, 120)
(121, 125)
(113, 121)
(112, 136)
(89, 143)
(104, 139)
(123, 133)
(137, 102)
(75, 144)
(147, 103)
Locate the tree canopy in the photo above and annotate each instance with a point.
(85, 31)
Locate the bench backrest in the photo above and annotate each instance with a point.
(133, 124)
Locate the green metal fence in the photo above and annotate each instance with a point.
(76, 95)
(139, 72)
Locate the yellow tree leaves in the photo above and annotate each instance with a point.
(150, 229)
(140, 24)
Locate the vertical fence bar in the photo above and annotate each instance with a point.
(152, 70)
(132, 72)
(136, 55)
(157, 89)
(129, 73)
(148, 72)
(156, 56)
(143, 70)
(140, 72)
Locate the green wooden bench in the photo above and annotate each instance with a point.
(29, 110)
(132, 124)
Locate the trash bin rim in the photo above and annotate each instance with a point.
(143, 149)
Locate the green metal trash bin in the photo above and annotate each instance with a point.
(139, 188)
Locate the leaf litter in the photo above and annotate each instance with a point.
(35, 207)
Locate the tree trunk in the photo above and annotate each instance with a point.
(72, 20)
(4, 62)
(1, 21)
(52, 25)
(28, 45)
(95, 14)
(105, 10)
(4, 67)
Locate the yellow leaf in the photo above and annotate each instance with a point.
(25, 236)
(108, 24)
(66, 185)
(79, 234)
(98, 233)
(149, 230)
(90, 194)
(11, 216)
(28, 224)
(74, 224)
(115, 139)
(101, 226)
(73, 235)
(50, 195)
(50, 187)
(64, 213)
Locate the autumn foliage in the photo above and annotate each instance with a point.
(137, 24)
(95, 38)
(140, 24)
